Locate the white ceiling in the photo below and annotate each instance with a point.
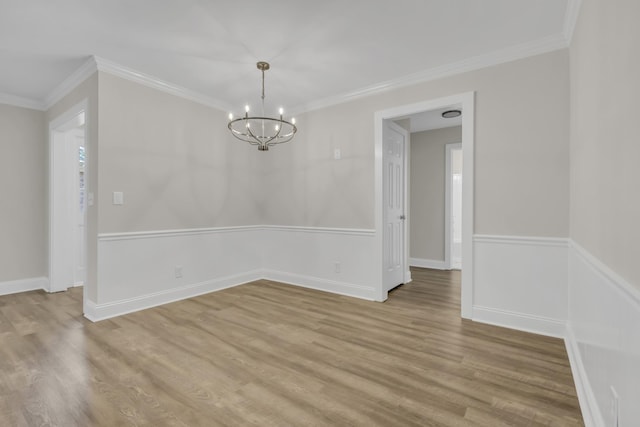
(318, 50)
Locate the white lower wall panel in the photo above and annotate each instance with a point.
(23, 285)
(138, 270)
(603, 340)
(338, 261)
(521, 283)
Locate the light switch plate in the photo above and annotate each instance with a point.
(118, 198)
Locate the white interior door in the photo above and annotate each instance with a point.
(394, 140)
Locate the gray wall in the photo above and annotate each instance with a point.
(427, 191)
(23, 186)
(175, 162)
(605, 147)
(521, 156)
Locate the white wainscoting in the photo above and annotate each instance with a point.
(24, 285)
(521, 283)
(334, 260)
(138, 270)
(428, 263)
(603, 340)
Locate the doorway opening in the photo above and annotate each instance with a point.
(453, 206)
(67, 200)
(464, 102)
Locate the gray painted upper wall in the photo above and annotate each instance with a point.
(175, 162)
(605, 89)
(521, 153)
(23, 185)
(427, 180)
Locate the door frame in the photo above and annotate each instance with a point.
(59, 255)
(466, 101)
(448, 203)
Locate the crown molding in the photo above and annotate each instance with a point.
(86, 70)
(513, 53)
(121, 71)
(571, 19)
(19, 101)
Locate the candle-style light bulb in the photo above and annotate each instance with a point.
(230, 116)
(293, 120)
(281, 111)
(246, 108)
(277, 128)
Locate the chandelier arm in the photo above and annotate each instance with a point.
(288, 136)
(276, 136)
(253, 136)
(239, 135)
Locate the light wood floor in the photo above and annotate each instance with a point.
(268, 354)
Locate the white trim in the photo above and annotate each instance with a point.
(617, 282)
(571, 19)
(96, 312)
(520, 321)
(601, 335)
(429, 263)
(520, 51)
(467, 103)
(20, 101)
(591, 414)
(448, 186)
(522, 240)
(513, 53)
(54, 125)
(171, 233)
(24, 285)
(153, 82)
(86, 70)
(345, 231)
(210, 230)
(333, 286)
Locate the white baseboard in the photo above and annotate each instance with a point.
(428, 263)
(588, 404)
(520, 321)
(341, 288)
(96, 312)
(24, 285)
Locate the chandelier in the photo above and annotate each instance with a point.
(262, 131)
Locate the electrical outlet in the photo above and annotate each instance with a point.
(338, 267)
(614, 407)
(178, 271)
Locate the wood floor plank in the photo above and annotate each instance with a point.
(270, 354)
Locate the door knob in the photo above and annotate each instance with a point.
(403, 217)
